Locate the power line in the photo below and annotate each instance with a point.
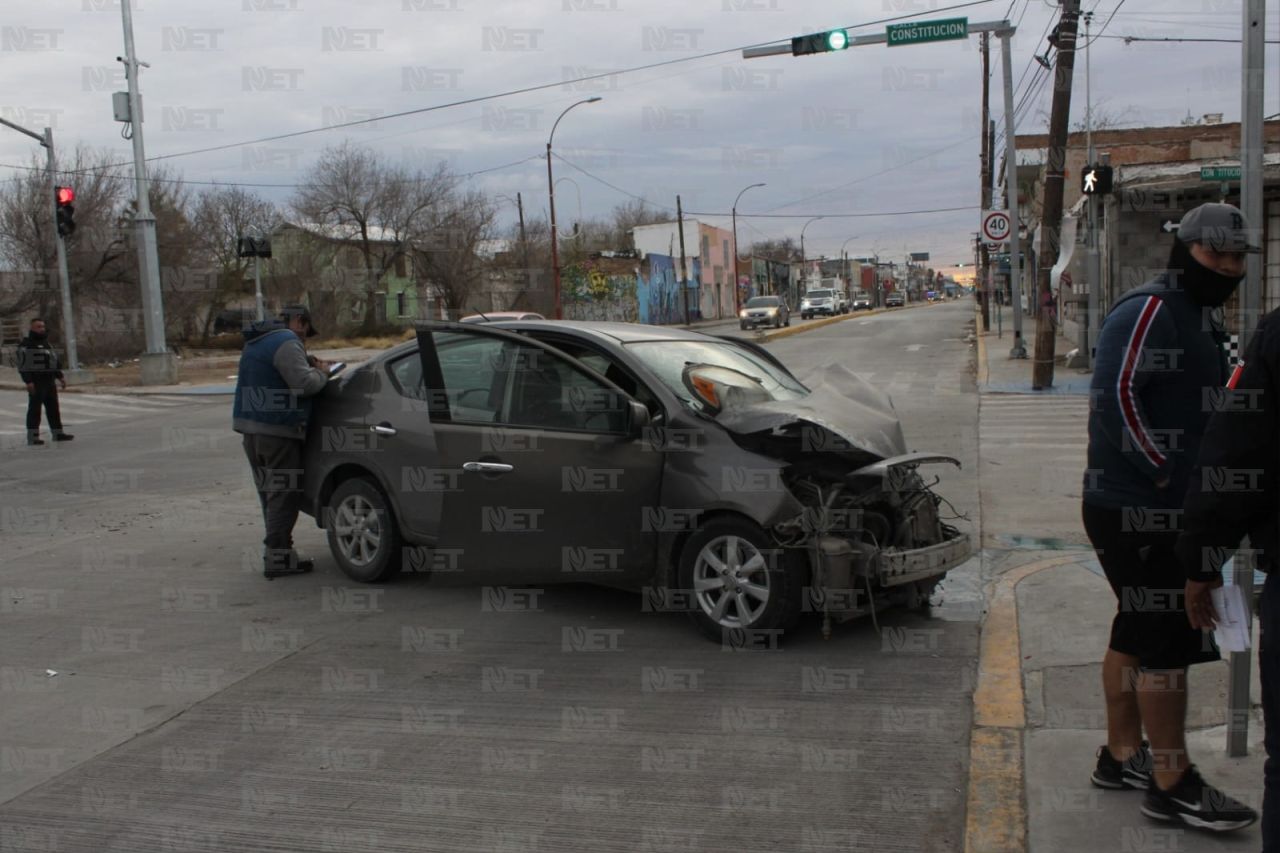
(534, 88)
(184, 181)
(1130, 39)
(1103, 29)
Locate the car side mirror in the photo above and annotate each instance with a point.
(637, 418)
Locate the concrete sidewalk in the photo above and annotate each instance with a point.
(1000, 374)
(1038, 707)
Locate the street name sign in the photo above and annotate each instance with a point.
(944, 29)
(1219, 173)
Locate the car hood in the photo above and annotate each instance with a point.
(848, 413)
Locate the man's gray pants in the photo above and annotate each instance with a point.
(277, 475)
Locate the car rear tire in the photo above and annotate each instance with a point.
(739, 581)
(363, 536)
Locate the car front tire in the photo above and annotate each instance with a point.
(739, 581)
(363, 536)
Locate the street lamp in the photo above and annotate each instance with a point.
(804, 274)
(551, 202)
(737, 298)
(844, 262)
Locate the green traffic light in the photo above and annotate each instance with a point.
(837, 40)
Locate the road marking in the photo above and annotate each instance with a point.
(915, 347)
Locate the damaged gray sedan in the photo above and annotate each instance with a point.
(695, 469)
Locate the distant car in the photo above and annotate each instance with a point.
(817, 302)
(495, 316)
(764, 311)
(894, 300)
(861, 303)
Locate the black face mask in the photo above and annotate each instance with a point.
(1206, 287)
(39, 337)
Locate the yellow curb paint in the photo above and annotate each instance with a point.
(984, 369)
(995, 819)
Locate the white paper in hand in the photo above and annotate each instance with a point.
(1232, 633)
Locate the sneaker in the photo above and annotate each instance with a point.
(35, 441)
(63, 436)
(1117, 775)
(1197, 803)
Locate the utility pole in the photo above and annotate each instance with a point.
(684, 265)
(1251, 189)
(158, 364)
(524, 247)
(1051, 222)
(984, 292)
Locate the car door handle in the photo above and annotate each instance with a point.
(487, 467)
(383, 429)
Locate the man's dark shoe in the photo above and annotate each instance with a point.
(1197, 803)
(290, 564)
(63, 436)
(1117, 775)
(35, 441)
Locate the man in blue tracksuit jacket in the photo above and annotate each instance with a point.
(273, 389)
(1160, 366)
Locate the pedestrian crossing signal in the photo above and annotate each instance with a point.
(1095, 180)
(819, 43)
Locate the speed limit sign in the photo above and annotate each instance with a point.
(995, 226)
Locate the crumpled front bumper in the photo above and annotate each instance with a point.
(898, 566)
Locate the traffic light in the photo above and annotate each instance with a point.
(65, 211)
(819, 43)
(1095, 180)
(253, 247)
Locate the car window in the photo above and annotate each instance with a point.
(667, 360)
(548, 392)
(407, 373)
(472, 378)
(610, 369)
(762, 302)
(489, 379)
(819, 294)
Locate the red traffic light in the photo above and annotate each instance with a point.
(65, 195)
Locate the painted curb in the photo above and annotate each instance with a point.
(996, 813)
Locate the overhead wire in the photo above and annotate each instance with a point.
(533, 88)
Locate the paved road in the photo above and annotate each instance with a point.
(157, 694)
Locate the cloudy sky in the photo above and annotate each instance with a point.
(873, 131)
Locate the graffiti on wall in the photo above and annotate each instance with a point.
(659, 293)
(592, 294)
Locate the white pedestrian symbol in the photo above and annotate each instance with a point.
(1090, 180)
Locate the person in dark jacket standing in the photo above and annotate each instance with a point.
(274, 385)
(38, 366)
(1159, 356)
(1235, 491)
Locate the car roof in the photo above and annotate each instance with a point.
(621, 332)
(610, 332)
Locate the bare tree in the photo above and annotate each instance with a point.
(352, 195)
(632, 214)
(220, 216)
(785, 249)
(97, 253)
(448, 250)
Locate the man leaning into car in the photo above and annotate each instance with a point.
(273, 389)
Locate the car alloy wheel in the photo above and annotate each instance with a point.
(358, 530)
(737, 582)
(731, 581)
(363, 536)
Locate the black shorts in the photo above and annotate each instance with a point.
(1136, 553)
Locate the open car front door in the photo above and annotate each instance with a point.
(552, 472)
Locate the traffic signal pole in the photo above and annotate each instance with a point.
(64, 278)
(75, 373)
(929, 31)
(158, 364)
